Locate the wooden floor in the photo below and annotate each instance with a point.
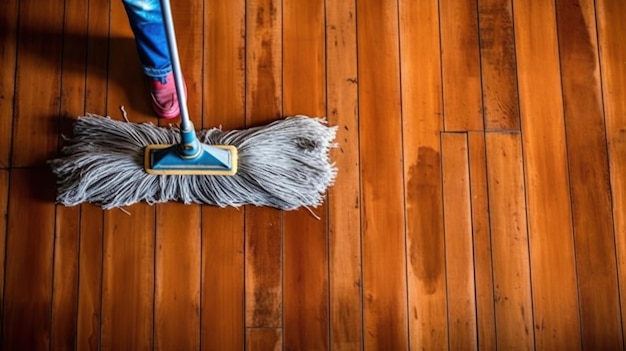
(480, 202)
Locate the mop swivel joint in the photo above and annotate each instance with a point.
(189, 147)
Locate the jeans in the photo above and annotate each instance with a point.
(146, 22)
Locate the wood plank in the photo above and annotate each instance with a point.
(263, 264)
(222, 279)
(28, 266)
(222, 300)
(589, 176)
(89, 316)
(611, 17)
(37, 94)
(509, 242)
(225, 65)
(8, 48)
(461, 65)
(96, 74)
(65, 284)
(263, 61)
(74, 61)
(344, 198)
(498, 66)
(66, 244)
(306, 318)
(383, 219)
(4, 203)
(305, 238)
(263, 268)
(89, 304)
(421, 125)
(263, 237)
(264, 339)
(459, 242)
(128, 279)
(486, 323)
(177, 277)
(482, 242)
(129, 240)
(555, 298)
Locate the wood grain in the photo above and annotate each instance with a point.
(89, 314)
(611, 17)
(555, 296)
(224, 67)
(177, 277)
(306, 318)
(270, 339)
(74, 62)
(65, 275)
(344, 198)
(422, 122)
(509, 242)
(306, 284)
(589, 176)
(483, 270)
(263, 61)
(498, 66)
(263, 238)
(28, 266)
(222, 299)
(8, 50)
(4, 204)
(222, 279)
(263, 262)
(383, 219)
(96, 73)
(128, 279)
(461, 77)
(66, 259)
(459, 242)
(37, 95)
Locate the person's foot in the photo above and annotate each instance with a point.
(164, 99)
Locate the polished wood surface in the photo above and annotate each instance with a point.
(479, 203)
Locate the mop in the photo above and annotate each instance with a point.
(284, 164)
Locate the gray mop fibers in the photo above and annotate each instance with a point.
(284, 165)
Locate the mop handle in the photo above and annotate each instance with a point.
(178, 75)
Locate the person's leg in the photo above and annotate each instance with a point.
(146, 21)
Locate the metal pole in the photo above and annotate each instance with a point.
(178, 75)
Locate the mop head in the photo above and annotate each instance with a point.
(283, 165)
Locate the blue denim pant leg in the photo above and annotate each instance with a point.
(146, 21)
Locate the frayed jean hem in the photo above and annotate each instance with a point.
(156, 72)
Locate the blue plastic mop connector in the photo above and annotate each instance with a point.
(191, 157)
(189, 146)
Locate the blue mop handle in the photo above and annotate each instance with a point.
(185, 124)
